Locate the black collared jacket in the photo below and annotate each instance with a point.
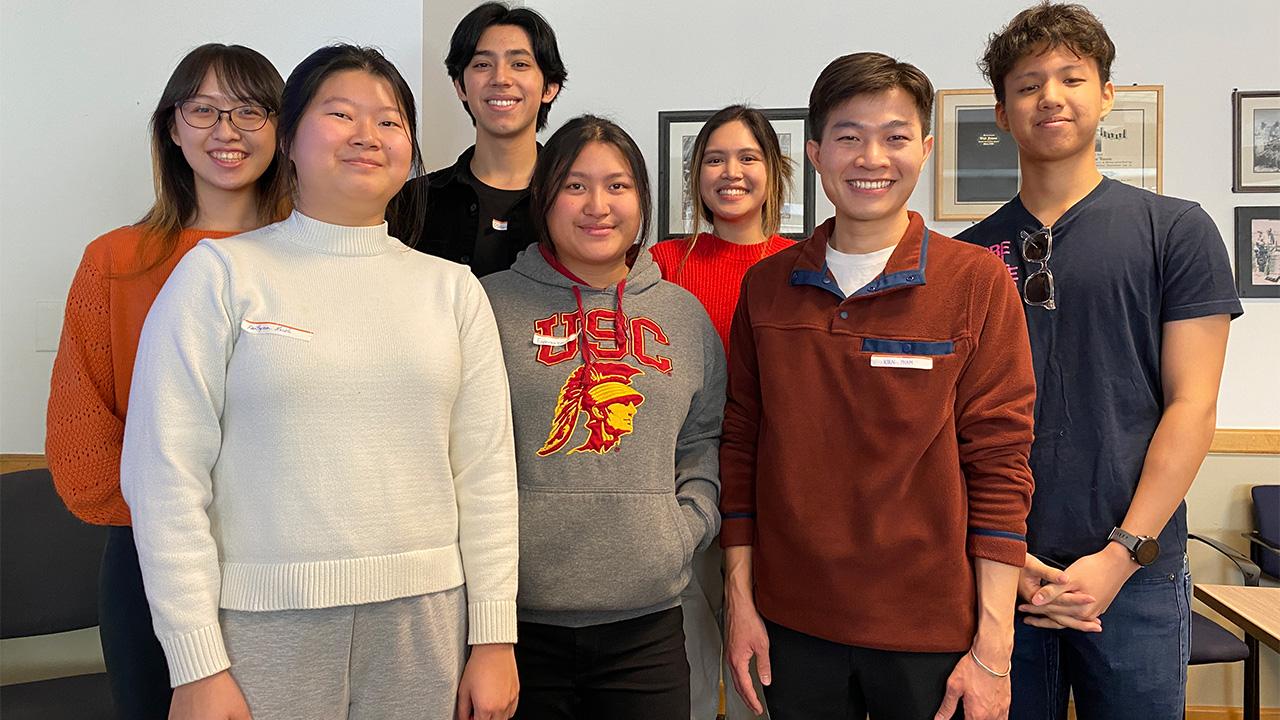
(452, 219)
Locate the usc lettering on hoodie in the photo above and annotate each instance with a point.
(618, 398)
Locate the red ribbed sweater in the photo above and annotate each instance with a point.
(713, 271)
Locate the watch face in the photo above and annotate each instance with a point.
(1147, 551)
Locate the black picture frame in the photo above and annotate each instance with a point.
(673, 185)
(1258, 251)
(1255, 141)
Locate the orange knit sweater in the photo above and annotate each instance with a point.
(89, 391)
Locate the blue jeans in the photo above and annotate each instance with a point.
(1135, 668)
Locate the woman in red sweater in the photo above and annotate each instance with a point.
(216, 173)
(741, 179)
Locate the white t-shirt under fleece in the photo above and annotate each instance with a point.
(319, 417)
(853, 271)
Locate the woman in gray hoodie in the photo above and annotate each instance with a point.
(617, 384)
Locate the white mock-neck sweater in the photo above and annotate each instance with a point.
(319, 417)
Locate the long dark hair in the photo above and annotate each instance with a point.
(241, 72)
(557, 158)
(778, 167)
(303, 84)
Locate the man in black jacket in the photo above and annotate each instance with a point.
(506, 68)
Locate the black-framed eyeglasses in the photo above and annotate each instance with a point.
(204, 116)
(1037, 247)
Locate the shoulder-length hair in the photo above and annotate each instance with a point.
(778, 168)
(242, 73)
(406, 209)
(556, 160)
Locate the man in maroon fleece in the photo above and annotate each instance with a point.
(876, 434)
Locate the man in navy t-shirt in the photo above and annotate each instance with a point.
(1128, 296)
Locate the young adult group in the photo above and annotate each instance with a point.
(460, 446)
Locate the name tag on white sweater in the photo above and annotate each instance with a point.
(274, 328)
(899, 361)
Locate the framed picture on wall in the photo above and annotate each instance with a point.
(1256, 141)
(677, 131)
(1130, 142)
(1258, 251)
(976, 163)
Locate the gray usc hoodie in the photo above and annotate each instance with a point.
(617, 395)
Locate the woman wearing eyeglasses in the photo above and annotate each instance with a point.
(213, 146)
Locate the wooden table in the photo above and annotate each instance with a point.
(1257, 611)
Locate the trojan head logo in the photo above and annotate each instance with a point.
(602, 391)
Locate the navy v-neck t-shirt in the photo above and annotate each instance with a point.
(1124, 261)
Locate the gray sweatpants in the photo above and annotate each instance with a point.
(396, 659)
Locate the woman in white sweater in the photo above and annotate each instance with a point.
(319, 451)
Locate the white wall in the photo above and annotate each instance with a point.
(77, 83)
(447, 128)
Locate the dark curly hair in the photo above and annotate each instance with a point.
(1042, 28)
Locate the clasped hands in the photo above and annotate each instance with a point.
(1074, 598)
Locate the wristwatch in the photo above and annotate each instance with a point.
(1144, 550)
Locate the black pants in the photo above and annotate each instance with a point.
(816, 679)
(630, 670)
(135, 662)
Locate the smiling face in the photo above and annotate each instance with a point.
(1053, 103)
(872, 150)
(596, 216)
(503, 85)
(223, 158)
(734, 180)
(351, 151)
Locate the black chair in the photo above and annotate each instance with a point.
(1212, 643)
(1264, 541)
(49, 577)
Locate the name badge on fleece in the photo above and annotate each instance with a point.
(552, 340)
(913, 362)
(273, 328)
(499, 224)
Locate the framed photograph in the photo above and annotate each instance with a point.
(1258, 251)
(1256, 141)
(976, 163)
(676, 132)
(1130, 142)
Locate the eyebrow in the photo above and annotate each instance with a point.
(1073, 67)
(611, 176)
(854, 124)
(744, 148)
(207, 96)
(340, 99)
(518, 52)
